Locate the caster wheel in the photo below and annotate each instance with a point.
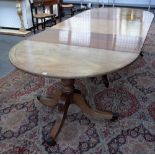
(50, 141)
(38, 98)
(115, 117)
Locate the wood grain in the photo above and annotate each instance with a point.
(95, 42)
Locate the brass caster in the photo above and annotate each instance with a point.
(141, 54)
(38, 98)
(115, 117)
(50, 141)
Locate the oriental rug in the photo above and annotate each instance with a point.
(25, 123)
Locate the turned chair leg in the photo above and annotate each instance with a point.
(33, 25)
(44, 23)
(51, 21)
(37, 24)
(55, 21)
(72, 12)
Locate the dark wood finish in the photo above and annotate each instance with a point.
(69, 7)
(51, 3)
(105, 80)
(63, 105)
(40, 15)
(63, 99)
(141, 53)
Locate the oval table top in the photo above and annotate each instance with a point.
(94, 42)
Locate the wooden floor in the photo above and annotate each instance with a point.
(14, 32)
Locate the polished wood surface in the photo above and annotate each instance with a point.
(94, 42)
(97, 41)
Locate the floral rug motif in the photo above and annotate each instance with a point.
(25, 123)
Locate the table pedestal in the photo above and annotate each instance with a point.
(69, 95)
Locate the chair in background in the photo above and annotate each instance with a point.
(113, 3)
(66, 7)
(101, 3)
(38, 14)
(50, 4)
(149, 5)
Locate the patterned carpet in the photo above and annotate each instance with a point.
(24, 123)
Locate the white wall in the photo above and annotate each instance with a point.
(125, 2)
(9, 16)
(136, 2)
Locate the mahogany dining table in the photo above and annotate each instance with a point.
(95, 42)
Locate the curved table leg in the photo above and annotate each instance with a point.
(80, 101)
(70, 95)
(50, 101)
(63, 108)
